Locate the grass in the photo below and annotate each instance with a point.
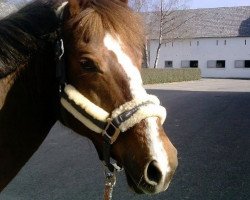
(153, 76)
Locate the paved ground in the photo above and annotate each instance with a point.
(210, 129)
(211, 85)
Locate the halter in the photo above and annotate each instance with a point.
(110, 125)
(98, 120)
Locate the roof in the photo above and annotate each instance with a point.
(204, 23)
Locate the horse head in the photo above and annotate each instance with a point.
(103, 54)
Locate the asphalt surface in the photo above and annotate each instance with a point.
(211, 131)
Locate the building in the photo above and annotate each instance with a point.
(216, 40)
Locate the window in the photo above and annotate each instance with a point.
(189, 63)
(168, 63)
(194, 63)
(245, 42)
(216, 64)
(225, 42)
(247, 63)
(220, 64)
(242, 64)
(198, 43)
(217, 42)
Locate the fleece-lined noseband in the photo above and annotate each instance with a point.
(110, 125)
(123, 118)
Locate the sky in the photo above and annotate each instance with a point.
(217, 3)
(192, 4)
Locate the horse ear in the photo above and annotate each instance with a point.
(75, 6)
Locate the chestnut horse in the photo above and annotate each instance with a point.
(98, 91)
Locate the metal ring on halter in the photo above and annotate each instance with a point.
(61, 48)
(111, 132)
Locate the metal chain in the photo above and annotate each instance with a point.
(110, 181)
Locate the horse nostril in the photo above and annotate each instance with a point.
(153, 173)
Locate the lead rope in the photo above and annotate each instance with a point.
(110, 181)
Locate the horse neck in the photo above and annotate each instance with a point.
(28, 109)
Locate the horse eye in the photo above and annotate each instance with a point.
(88, 66)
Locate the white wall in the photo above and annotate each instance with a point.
(207, 49)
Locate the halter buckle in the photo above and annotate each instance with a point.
(110, 179)
(111, 132)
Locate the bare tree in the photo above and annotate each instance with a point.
(163, 19)
(169, 19)
(143, 6)
(136, 5)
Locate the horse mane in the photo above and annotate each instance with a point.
(112, 16)
(21, 34)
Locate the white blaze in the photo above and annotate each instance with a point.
(157, 150)
(132, 71)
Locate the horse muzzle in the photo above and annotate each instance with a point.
(154, 180)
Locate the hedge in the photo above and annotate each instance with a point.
(151, 76)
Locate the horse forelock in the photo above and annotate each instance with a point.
(114, 17)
